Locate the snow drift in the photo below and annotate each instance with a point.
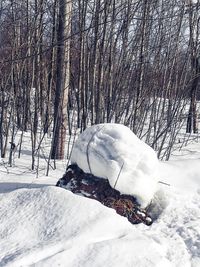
(113, 151)
(53, 227)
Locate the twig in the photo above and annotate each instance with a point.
(118, 175)
(5, 166)
(69, 158)
(87, 150)
(160, 182)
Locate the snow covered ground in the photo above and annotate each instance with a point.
(42, 225)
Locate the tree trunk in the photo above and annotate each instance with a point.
(192, 123)
(62, 79)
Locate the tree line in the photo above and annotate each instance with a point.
(67, 64)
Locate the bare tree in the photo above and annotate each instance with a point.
(62, 79)
(194, 30)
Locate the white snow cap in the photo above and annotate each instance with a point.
(113, 151)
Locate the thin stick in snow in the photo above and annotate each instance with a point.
(69, 158)
(87, 150)
(118, 175)
(160, 182)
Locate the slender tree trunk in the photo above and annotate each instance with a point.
(62, 79)
(51, 70)
(192, 123)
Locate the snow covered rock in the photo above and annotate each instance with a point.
(114, 152)
(88, 185)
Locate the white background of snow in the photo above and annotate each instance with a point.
(113, 150)
(41, 225)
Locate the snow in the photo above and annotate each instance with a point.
(49, 228)
(111, 150)
(44, 225)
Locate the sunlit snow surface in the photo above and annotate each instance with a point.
(114, 152)
(42, 225)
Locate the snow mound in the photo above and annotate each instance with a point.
(53, 227)
(113, 150)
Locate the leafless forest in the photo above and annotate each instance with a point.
(68, 64)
